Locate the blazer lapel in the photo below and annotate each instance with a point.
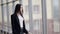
(17, 19)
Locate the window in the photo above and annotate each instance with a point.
(56, 15)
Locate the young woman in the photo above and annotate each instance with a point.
(17, 21)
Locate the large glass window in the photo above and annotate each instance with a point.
(53, 25)
(56, 16)
(36, 17)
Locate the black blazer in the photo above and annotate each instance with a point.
(16, 29)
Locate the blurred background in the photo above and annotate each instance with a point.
(32, 15)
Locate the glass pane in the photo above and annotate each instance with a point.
(53, 17)
(49, 17)
(37, 21)
(37, 17)
(56, 16)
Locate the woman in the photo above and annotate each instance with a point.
(17, 21)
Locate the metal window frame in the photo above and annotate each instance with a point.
(59, 15)
(44, 17)
(7, 16)
(30, 15)
(2, 17)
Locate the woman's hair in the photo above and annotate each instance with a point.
(17, 8)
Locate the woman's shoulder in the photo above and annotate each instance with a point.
(13, 15)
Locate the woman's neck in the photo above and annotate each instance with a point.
(19, 14)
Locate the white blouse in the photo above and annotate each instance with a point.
(20, 20)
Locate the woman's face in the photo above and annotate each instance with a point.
(21, 9)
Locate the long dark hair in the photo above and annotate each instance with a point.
(17, 9)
